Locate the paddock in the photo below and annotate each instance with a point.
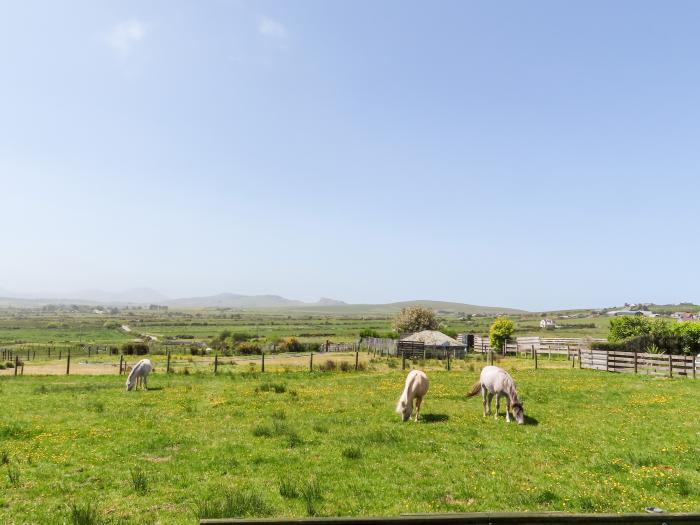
(592, 442)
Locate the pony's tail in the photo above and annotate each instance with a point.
(475, 389)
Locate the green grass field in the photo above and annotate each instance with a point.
(298, 444)
(42, 327)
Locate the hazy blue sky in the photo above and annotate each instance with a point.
(525, 154)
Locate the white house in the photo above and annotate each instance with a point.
(547, 324)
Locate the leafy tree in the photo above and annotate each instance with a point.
(500, 332)
(415, 319)
(627, 326)
(689, 334)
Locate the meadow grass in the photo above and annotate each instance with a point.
(330, 444)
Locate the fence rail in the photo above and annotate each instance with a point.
(638, 363)
(480, 518)
(379, 346)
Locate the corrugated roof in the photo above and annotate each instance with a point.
(432, 338)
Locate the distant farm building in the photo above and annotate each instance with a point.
(547, 324)
(617, 313)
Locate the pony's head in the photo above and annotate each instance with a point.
(405, 409)
(130, 384)
(518, 413)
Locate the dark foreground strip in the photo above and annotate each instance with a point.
(480, 518)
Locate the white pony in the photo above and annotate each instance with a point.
(139, 374)
(416, 387)
(496, 381)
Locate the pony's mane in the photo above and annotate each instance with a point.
(136, 366)
(513, 394)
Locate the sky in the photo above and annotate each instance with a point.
(536, 155)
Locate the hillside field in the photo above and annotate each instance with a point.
(294, 443)
(29, 326)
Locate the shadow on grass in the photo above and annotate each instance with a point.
(154, 388)
(531, 421)
(434, 418)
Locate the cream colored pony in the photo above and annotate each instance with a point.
(416, 387)
(496, 381)
(139, 375)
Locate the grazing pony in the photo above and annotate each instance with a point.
(416, 387)
(139, 374)
(496, 381)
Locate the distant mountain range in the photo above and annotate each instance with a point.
(232, 300)
(144, 296)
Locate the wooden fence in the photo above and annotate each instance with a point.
(339, 347)
(31, 352)
(482, 344)
(527, 344)
(379, 346)
(480, 518)
(637, 363)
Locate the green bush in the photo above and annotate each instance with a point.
(134, 349)
(637, 334)
(688, 333)
(247, 348)
(608, 346)
(449, 331)
(328, 366)
(627, 326)
(239, 337)
(291, 344)
(501, 330)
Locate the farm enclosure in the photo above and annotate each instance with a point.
(595, 442)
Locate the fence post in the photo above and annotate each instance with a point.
(607, 361)
(357, 359)
(216, 363)
(263, 361)
(694, 358)
(167, 367)
(328, 343)
(311, 362)
(534, 353)
(670, 365)
(635, 361)
(16, 364)
(121, 361)
(448, 361)
(579, 358)
(68, 364)
(570, 356)
(403, 360)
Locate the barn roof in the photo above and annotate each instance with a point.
(432, 338)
